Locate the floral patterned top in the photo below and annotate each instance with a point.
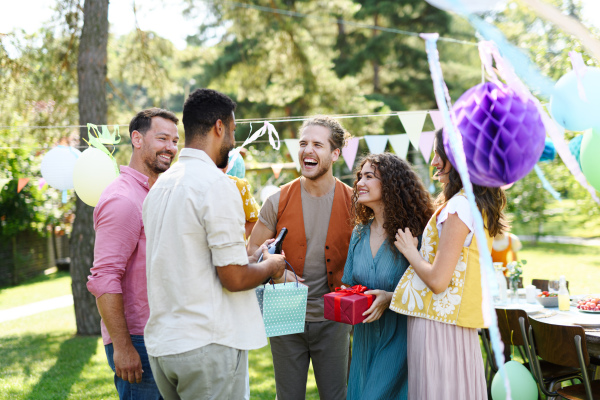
(460, 304)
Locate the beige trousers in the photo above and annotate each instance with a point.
(209, 373)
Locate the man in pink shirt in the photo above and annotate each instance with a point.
(118, 279)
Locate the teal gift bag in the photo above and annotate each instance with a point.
(284, 307)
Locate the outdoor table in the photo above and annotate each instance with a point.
(589, 322)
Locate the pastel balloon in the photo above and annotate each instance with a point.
(472, 6)
(569, 109)
(503, 135)
(522, 384)
(94, 171)
(57, 167)
(590, 157)
(549, 151)
(575, 147)
(267, 191)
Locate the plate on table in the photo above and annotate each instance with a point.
(588, 311)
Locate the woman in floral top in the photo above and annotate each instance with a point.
(441, 290)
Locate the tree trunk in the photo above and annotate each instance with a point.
(91, 72)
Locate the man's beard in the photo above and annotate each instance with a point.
(224, 153)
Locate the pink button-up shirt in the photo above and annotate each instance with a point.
(120, 248)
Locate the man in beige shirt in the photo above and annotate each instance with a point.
(204, 317)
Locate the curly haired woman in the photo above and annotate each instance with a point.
(441, 291)
(388, 195)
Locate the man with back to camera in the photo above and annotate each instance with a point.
(204, 317)
(118, 279)
(316, 209)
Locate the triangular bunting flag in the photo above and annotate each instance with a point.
(276, 169)
(413, 125)
(349, 152)
(437, 118)
(376, 143)
(426, 144)
(293, 146)
(22, 183)
(41, 183)
(399, 144)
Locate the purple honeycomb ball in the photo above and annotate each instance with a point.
(503, 135)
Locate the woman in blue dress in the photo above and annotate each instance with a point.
(388, 195)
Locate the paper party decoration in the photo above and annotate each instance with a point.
(549, 151)
(376, 143)
(474, 6)
(575, 147)
(590, 156)
(349, 152)
(426, 144)
(569, 109)
(293, 146)
(21, 184)
(57, 168)
(502, 133)
(276, 169)
(400, 144)
(94, 171)
(237, 167)
(522, 384)
(413, 125)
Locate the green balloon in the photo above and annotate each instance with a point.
(522, 384)
(590, 156)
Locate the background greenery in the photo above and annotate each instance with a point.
(273, 65)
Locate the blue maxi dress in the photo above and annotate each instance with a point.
(379, 369)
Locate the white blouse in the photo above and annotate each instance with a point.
(457, 205)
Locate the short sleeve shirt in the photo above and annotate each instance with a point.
(251, 208)
(194, 224)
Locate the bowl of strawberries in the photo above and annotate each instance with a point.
(548, 299)
(589, 304)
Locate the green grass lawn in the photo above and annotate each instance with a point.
(579, 264)
(43, 359)
(43, 287)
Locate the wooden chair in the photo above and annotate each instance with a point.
(563, 345)
(513, 325)
(542, 284)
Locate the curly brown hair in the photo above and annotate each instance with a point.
(490, 200)
(406, 202)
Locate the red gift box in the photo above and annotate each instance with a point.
(347, 305)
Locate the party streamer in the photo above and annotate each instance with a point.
(545, 183)
(485, 260)
(267, 128)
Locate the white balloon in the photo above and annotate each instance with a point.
(267, 191)
(57, 167)
(94, 171)
(472, 6)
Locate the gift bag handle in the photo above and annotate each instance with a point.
(284, 279)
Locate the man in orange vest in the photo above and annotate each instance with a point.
(316, 210)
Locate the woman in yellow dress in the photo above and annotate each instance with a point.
(441, 291)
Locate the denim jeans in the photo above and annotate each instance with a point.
(146, 389)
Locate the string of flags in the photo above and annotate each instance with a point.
(412, 122)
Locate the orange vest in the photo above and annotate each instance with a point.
(340, 228)
(502, 255)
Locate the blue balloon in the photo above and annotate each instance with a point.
(575, 147)
(568, 109)
(549, 151)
